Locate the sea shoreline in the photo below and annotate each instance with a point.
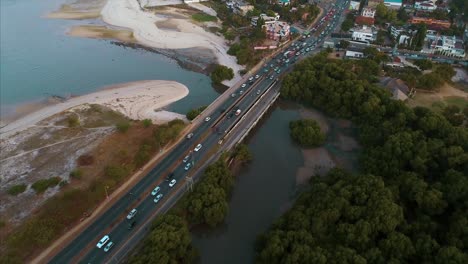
(136, 100)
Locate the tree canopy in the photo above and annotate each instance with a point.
(306, 132)
(221, 73)
(409, 202)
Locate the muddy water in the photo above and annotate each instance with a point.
(268, 186)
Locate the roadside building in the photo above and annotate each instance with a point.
(364, 34)
(242, 8)
(425, 6)
(278, 31)
(401, 35)
(362, 20)
(448, 46)
(433, 23)
(193, 1)
(398, 88)
(267, 19)
(354, 5)
(284, 2)
(354, 54)
(368, 12)
(396, 4)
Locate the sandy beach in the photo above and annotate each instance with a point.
(128, 14)
(137, 100)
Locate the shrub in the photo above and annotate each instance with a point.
(195, 112)
(73, 121)
(41, 186)
(221, 73)
(147, 122)
(76, 174)
(306, 133)
(85, 160)
(202, 17)
(123, 126)
(17, 189)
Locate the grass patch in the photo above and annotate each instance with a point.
(17, 189)
(76, 174)
(456, 100)
(41, 186)
(202, 17)
(100, 116)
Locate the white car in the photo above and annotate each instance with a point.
(190, 135)
(244, 85)
(198, 147)
(156, 200)
(132, 214)
(233, 95)
(257, 76)
(207, 119)
(241, 92)
(155, 191)
(251, 78)
(109, 246)
(172, 183)
(186, 158)
(103, 241)
(188, 166)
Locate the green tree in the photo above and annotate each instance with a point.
(221, 73)
(123, 127)
(193, 113)
(306, 133)
(169, 241)
(454, 115)
(147, 122)
(17, 189)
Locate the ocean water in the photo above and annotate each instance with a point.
(38, 60)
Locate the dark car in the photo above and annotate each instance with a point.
(131, 225)
(230, 115)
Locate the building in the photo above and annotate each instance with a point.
(434, 23)
(393, 3)
(368, 12)
(354, 54)
(401, 35)
(398, 88)
(362, 20)
(267, 19)
(242, 8)
(425, 6)
(364, 34)
(448, 46)
(354, 5)
(284, 2)
(279, 31)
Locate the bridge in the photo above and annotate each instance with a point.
(225, 128)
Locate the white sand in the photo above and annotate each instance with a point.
(136, 100)
(128, 14)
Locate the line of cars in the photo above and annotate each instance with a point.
(105, 242)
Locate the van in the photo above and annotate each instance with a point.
(103, 241)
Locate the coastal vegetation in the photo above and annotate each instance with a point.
(202, 17)
(191, 114)
(169, 241)
(42, 185)
(440, 74)
(408, 202)
(98, 174)
(17, 189)
(306, 133)
(221, 73)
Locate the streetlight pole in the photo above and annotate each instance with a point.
(107, 194)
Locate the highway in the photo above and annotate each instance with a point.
(113, 222)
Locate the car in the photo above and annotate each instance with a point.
(241, 92)
(188, 166)
(190, 135)
(297, 54)
(271, 77)
(276, 69)
(186, 158)
(170, 176)
(233, 95)
(265, 70)
(158, 198)
(307, 50)
(109, 246)
(207, 119)
(198, 147)
(132, 213)
(243, 85)
(238, 111)
(131, 225)
(155, 190)
(287, 61)
(172, 183)
(257, 76)
(103, 241)
(258, 91)
(278, 72)
(251, 78)
(272, 65)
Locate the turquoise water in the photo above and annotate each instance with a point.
(38, 60)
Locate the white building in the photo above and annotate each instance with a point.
(425, 6)
(267, 19)
(363, 34)
(393, 3)
(354, 54)
(449, 46)
(194, 1)
(368, 12)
